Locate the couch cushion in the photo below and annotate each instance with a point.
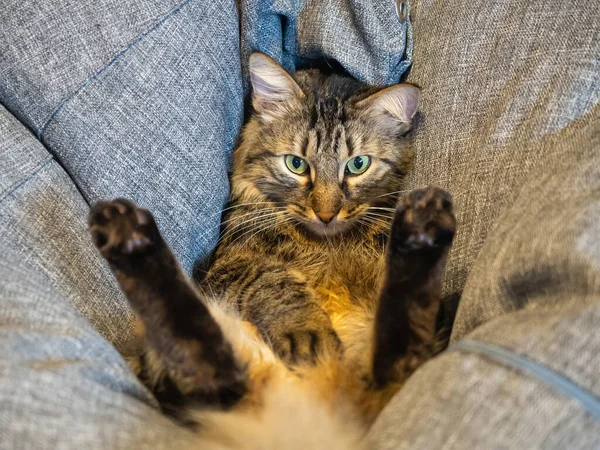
(136, 99)
(499, 80)
(61, 384)
(509, 125)
(43, 221)
(48, 49)
(534, 294)
(365, 37)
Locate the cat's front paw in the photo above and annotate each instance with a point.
(120, 229)
(425, 219)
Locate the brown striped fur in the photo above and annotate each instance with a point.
(303, 330)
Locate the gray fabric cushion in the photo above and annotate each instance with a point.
(133, 101)
(150, 113)
(544, 249)
(364, 36)
(509, 125)
(61, 384)
(43, 219)
(534, 290)
(499, 81)
(49, 49)
(464, 401)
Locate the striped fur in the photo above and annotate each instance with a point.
(300, 331)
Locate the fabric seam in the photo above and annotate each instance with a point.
(555, 380)
(20, 184)
(114, 59)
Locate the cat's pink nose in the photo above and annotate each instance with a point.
(325, 216)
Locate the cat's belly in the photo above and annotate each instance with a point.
(338, 387)
(353, 319)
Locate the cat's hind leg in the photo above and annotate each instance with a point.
(421, 235)
(185, 342)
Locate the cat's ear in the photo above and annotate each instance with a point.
(393, 107)
(272, 87)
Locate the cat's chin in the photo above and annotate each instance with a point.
(324, 230)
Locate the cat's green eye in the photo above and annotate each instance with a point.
(358, 165)
(296, 164)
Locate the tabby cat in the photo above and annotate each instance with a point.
(323, 292)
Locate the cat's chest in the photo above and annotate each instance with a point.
(350, 272)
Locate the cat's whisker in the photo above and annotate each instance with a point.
(230, 228)
(247, 227)
(374, 223)
(381, 220)
(250, 220)
(256, 211)
(366, 222)
(371, 222)
(402, 191)
(372, 214)
(267, 227)
(246, 204)
(221, 234)
(395, 192)
(250, 224)
(380, 208)
(264, 227)
(376, 220)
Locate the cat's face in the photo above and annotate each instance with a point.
(327, 151)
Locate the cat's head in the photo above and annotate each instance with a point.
(324, 149)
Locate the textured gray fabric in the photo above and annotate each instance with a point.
(143, 99)
(61, 385)
(510, 125)
(462, 401)
(155, 122)
(43, 218)
(144, 107)
(495, 89)
(535, 290)
(545, 249)
(364, 36)
(20, 153)
(48, 49)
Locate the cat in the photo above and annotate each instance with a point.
(322, 296)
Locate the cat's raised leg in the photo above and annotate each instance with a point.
(420, 238)
(184, 339)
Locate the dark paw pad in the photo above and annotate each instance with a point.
(120, 228)
(424, 219)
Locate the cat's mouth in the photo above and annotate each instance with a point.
(332, 228)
